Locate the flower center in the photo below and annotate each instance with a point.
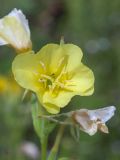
(51, 82)
(54, 81)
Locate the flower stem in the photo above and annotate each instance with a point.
(44, 148)
(54, 151)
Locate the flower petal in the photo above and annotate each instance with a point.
(55, 56)
(103, 128)
(104, 114)
(61, 100)
(14, 30)
(2, 42)
(82, 81)
(51, 108)
(82, 118)
(25, 68)
(21, 17)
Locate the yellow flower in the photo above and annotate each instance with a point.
(3, 84)
(14, 30)
(9, 86)
(55, 74)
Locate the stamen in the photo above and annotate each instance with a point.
(47, 77)
(52, 87)
(68, 80)
(71, 85)
(64, 72)
(35, 73)
(43, 65)
(60, 84)
(42, 80)
(61, 74)
(60, 62)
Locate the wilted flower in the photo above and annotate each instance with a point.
(55, 74)
(92, 120)
(14, 31)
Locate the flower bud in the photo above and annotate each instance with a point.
(14, 31)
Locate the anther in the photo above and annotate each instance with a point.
(60, 84)
(42, 80)
(47, 77)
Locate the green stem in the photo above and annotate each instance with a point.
(40, 126)
(44, 148)
(55, 148)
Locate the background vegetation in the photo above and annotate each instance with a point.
(93, 25)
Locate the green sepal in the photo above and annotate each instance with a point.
(42, 126)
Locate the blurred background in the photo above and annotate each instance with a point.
(93, 25)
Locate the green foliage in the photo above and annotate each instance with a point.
(63, 158)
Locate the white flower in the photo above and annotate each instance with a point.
(14, 30)
(92, 120)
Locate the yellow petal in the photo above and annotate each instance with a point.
(51, 108)
(26, 68)
(14, 30)
(61, 100)
(55, 56)
(82, 81)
